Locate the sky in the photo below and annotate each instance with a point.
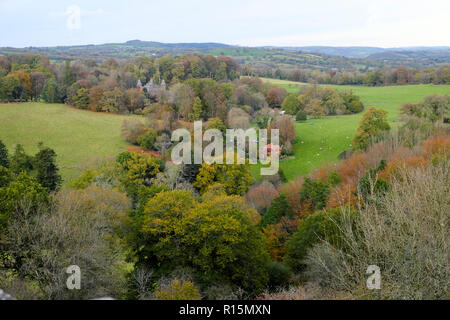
(381, 23)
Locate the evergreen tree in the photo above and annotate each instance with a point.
(69, 77)
(47, 170)
(4, 160)
(20, 161)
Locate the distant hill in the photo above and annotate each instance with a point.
(308, 57)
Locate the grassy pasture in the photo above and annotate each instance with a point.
(75, 135)
(327, 137)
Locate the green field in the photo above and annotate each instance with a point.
(75, 135)
(323, 141)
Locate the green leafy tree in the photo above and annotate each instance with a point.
(314, 194)
(373, 122)
(301, 115)
(291, 104)
(197, 110)
(278, 208)
(318, 226)
(50, 91)
(24, 190)
(216, 238)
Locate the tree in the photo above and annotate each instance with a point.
(197, 110)
(278, 209)
(50, 91)
(316, 227)
(301, 115)
(214, 237)
(68, 77)
(4, 160)
(216, 123)
(275, 96)
(184, 99)
(373, 122)
(20, 161)
(134, 100)
(112, 101)
(23, 191)
(47, 170)
(81, 99)
(291, 104)
(314, 194)
(38, 80)
(286, 128)
(236, 178)
(95, 95)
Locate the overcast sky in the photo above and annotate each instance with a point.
(382, 23)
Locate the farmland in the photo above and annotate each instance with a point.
(322, 140)
(75, 135)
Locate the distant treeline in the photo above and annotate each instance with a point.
(382, 77)
(26, 77)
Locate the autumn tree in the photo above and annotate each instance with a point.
(373, 122)
(236, 178)
(81, 99)
(275, 96)
(95, 95)
(286, 128)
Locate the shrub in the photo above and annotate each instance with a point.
(279, 275)
(39, 246)
(132, 129)
(178, 290)
(147, 140)
(404, 234)
(301, 115)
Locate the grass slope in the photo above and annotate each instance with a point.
(75, 135)
(326, 138)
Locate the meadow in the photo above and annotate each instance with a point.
(320, 141)
(76, 135)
